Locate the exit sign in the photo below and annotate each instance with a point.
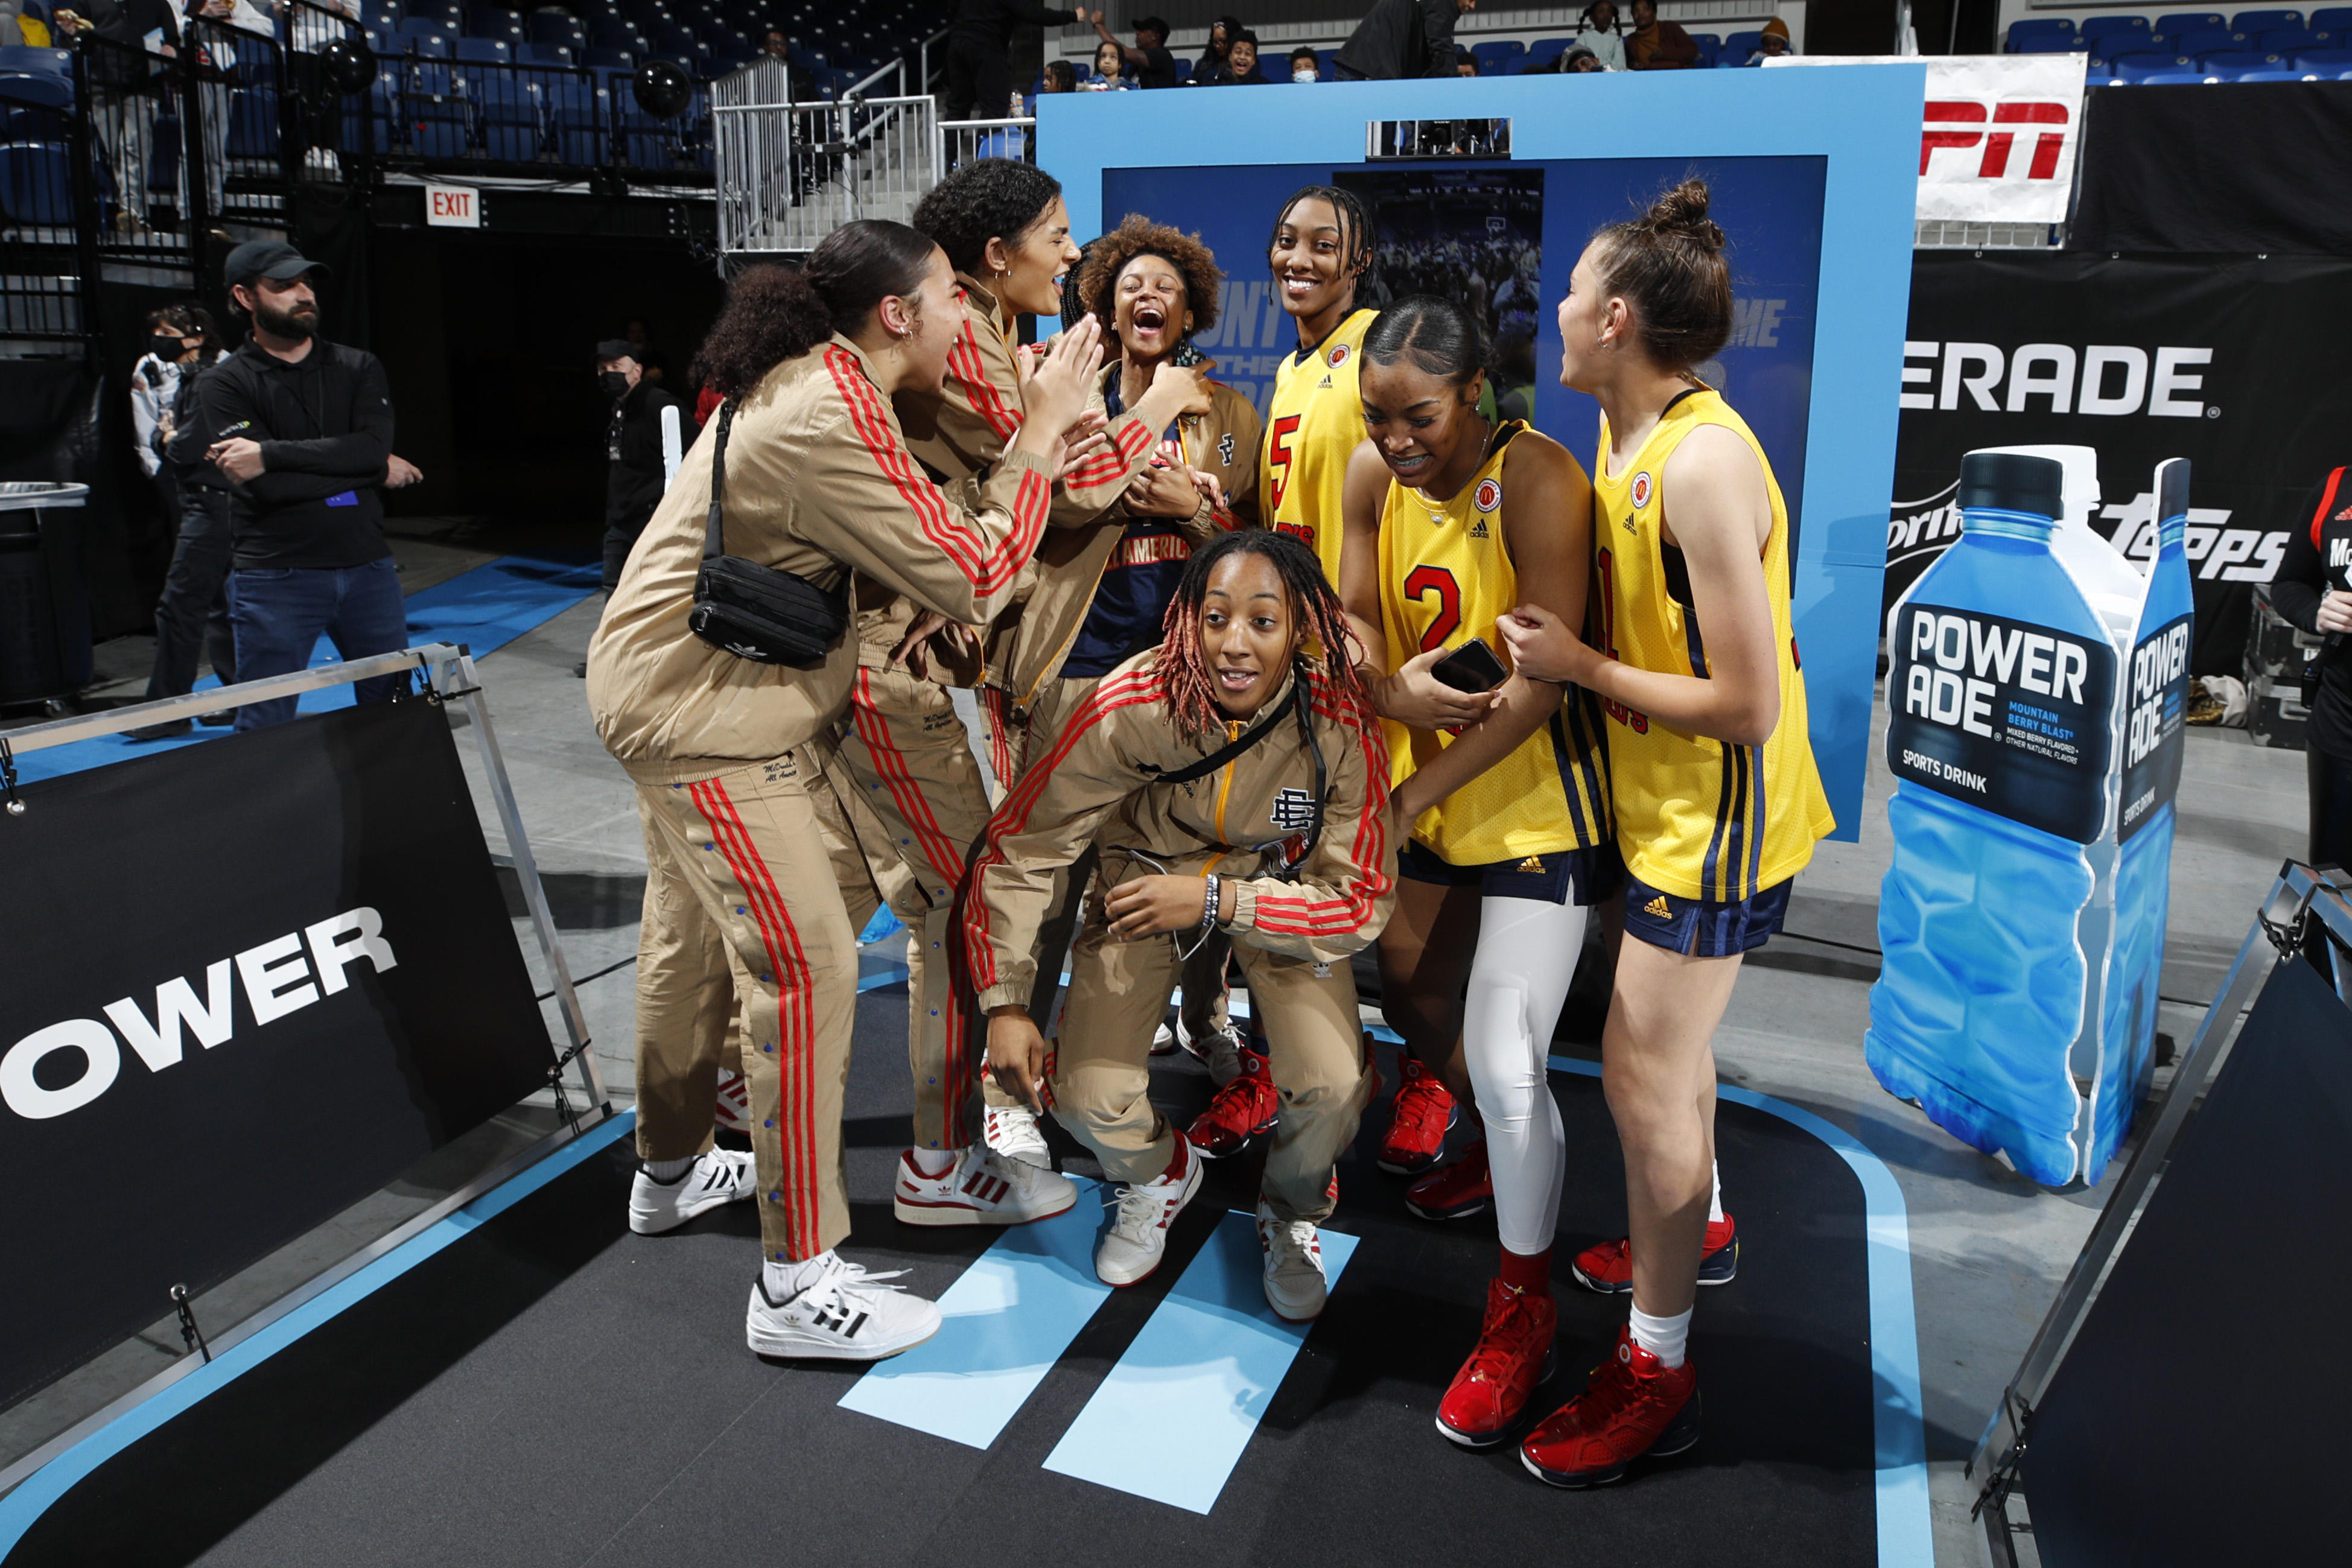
(453, 206)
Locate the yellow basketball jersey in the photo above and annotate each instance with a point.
(1697, 818)
(1315, 421)
(1445, 578)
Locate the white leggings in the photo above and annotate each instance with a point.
(1527, 956)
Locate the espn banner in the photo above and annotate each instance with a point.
(1998, 133)
(2235, 364)
(247, 983)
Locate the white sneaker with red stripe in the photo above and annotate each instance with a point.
(1293, 1248)
(843, 1314)
(734, 1109)
(1138, 1237)
(983, 1187)
(1012, 1131)
(719, 1176)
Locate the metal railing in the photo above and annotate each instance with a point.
(964, 141)
(789, 175)
(48, 257)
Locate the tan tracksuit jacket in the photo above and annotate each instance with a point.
(820, 481)
(1095, 785)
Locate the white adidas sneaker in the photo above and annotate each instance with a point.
(1013, 1133)
(1295, 1286)
(1138, 1237)
(720, 1176)
(733, 1112)
(983, 1187)
(843, 1314)
(1163, 1039)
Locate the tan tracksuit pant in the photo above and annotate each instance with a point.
(756, 883)
(1118, 992)
(911, 757)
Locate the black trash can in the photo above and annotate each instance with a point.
(43, 609)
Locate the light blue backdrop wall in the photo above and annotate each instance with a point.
(1863, 121)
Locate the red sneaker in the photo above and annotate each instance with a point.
(1488, 1396)
(1608, 1267)
(1630, 1406)
(1425, 1114)
(1456, 1191)
(1245, 1109)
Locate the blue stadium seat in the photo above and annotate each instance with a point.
(2174, 78)
(2324, 62)
(619, 59)
(484, 51)
(39, 91)
(37, 183)
(2205, 41)
(380, 124)
(1496, 58)
(253, 124)
(1710, 48)
(1547, 49)
(2271, 75)
(1738, 47)
(384, 14)
(544, 54)
(2027, 28)
(2333, 19)
(2263, 21)
(438, 128)
(2102, 30)
(417, 27)
(2172, 24)
(577, 117)
(2282, 40)
(513, 120)
(2050, 43)
(2229, 63)
(428, 46)
(31, 61)
(549, 26)
(2141, 68)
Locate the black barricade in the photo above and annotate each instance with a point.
(247, 984)
(2234, 364)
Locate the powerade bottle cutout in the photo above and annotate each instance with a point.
(2003, 692)
(2156, 705)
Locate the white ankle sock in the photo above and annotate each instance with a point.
(785, 1280)
(933, 1161)
(1715, 1204)
(1668, 1339)
(669, 1171)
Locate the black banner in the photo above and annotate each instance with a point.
(2003, 714)
(249, 982)
(2183, 170)
(2237, 365)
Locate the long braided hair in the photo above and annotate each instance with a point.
(1355, 230)
(1185, 673)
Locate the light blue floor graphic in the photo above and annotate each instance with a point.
(1170, 1421)
(485, 608)
(1009, 1318)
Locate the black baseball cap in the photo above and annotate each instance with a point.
(271, 258)
(615, 349)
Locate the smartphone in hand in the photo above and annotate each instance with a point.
(1471, 667)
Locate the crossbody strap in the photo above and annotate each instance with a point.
(714, 540)
(1224, 754)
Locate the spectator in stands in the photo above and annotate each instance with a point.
(314, 24)
(1110, 69)
(634, 476)
(28, 28)
(1657, 45)
(1239, 67)
(1465, 64)
(1401, 38)
(1772, 45)
(1597, 31)
(1148, 60)
(980, 63)
(777, 45)
(1580, 60)
(192, 617)
(302, 431)
(133, 23)
(1304, 65)
(1060, 76)
(1222, 33)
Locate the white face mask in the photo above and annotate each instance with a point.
(1303, 74)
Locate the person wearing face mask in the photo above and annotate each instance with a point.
(634, 475)
(762, 859)
(302, 433)
(1304, 65)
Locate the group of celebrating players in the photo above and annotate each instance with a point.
(1388, 671)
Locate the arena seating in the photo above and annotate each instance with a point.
(2205, 46)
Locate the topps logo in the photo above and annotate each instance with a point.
(2057, 378)
(2215, 550)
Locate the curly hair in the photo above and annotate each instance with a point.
(1185, 673)
(1106, 257)
(771, 315)
(989, 198)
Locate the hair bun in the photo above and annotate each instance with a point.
(1682, 212)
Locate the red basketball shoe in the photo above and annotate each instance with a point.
(1455, 1191)
(1424, 1114)
(1630, 1406)
(1245, 1109)
(1608, 1267)
(1490, 1393)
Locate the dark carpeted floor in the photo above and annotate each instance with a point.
(554, 1390)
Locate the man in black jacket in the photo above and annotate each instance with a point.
(979, 62)
(1401, 38)
(635, 474)
(302, 432)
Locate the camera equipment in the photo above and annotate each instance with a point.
(759, 613)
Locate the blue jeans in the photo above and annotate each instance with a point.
(280, 613)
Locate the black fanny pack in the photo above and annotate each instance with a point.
(759, 613)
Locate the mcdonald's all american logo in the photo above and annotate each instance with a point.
(1338, 356)
(1641, 489)
(1490, 494)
